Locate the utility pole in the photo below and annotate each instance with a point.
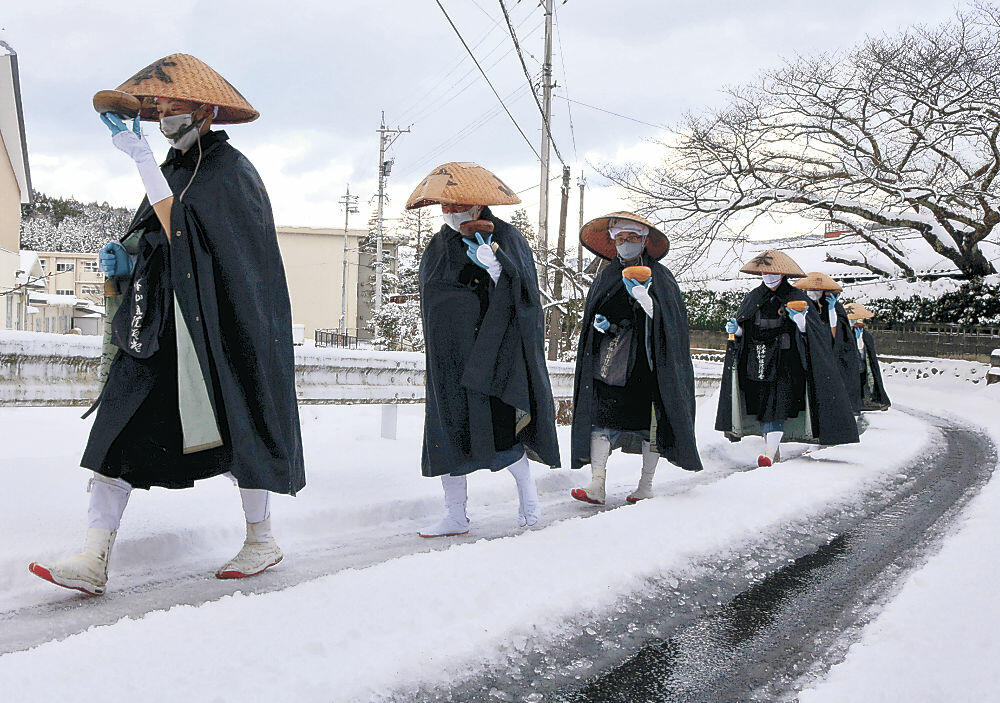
(350, 207)
(582, 182)
(386, 136)
(543, 205)
(555, 321)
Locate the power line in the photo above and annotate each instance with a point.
(488, 81)
(562, 61)
(527, 75)
(419, 96)
(616, 114)
(434, 106)
(539, 185)
(464, 133)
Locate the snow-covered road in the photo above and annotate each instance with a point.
(361, 608)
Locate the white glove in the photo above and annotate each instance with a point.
(149, 171)
(833, 318)
(488, 260)
(799, 318)
(641, 295)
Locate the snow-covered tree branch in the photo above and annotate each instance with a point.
(900, 132)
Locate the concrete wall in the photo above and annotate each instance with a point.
(52, 369)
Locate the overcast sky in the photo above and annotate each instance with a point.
(320, 73)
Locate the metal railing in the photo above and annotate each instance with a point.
(334, 338)
(946, 328)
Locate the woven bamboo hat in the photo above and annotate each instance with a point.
(184, 77)
(773, 261)
(857, 311)
(596, 238)
(818, 281)
(461, 183)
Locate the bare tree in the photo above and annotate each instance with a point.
(900, 132)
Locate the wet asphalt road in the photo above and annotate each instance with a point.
(760, 627)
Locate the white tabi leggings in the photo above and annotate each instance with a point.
(109, 496)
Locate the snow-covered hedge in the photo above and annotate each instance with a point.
(961, 303)
(974, 303)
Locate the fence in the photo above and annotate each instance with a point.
(923, 339)
(333, 338)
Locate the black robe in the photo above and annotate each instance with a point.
(871, 387)
(225, 270)
(845, 351)
(817, 410)
(671, 393)
(488, 393)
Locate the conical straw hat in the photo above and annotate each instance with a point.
(184, 77)
(857, 311)
(818, 281)
(461, 183)
(773, 261)
(596, 238)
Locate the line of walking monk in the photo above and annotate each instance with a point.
(200, 379)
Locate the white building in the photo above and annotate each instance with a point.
(15, 189)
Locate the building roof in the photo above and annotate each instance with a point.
(54, 299)
(29, 270)
(12, 120)
(724, 258)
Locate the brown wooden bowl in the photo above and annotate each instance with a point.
(473, 226)
(122, 104)
(638, 273)
(798, 305)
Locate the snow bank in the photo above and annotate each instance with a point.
(937, 639)
(433, 617)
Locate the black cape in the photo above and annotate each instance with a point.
(845, 351)
(673, 397)
(488, 392)
(827, 419)
(871, 387)
(225, 269)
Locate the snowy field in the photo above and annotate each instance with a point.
(362, 607)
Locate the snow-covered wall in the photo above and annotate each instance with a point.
(62, 369)
(57, 369)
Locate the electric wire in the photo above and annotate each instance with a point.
(462, 134)
(434, 105)
(616, 114)
(420, 96)
(546, 121)
(562, 61)
(488, 81)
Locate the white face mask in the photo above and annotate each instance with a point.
(629, 250)
(181, 130)
(815, 294)
(772, 280)
(456, 219)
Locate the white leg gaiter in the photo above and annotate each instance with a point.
(108, 498)
(529, 507)
(256, 504)
(772, 442)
